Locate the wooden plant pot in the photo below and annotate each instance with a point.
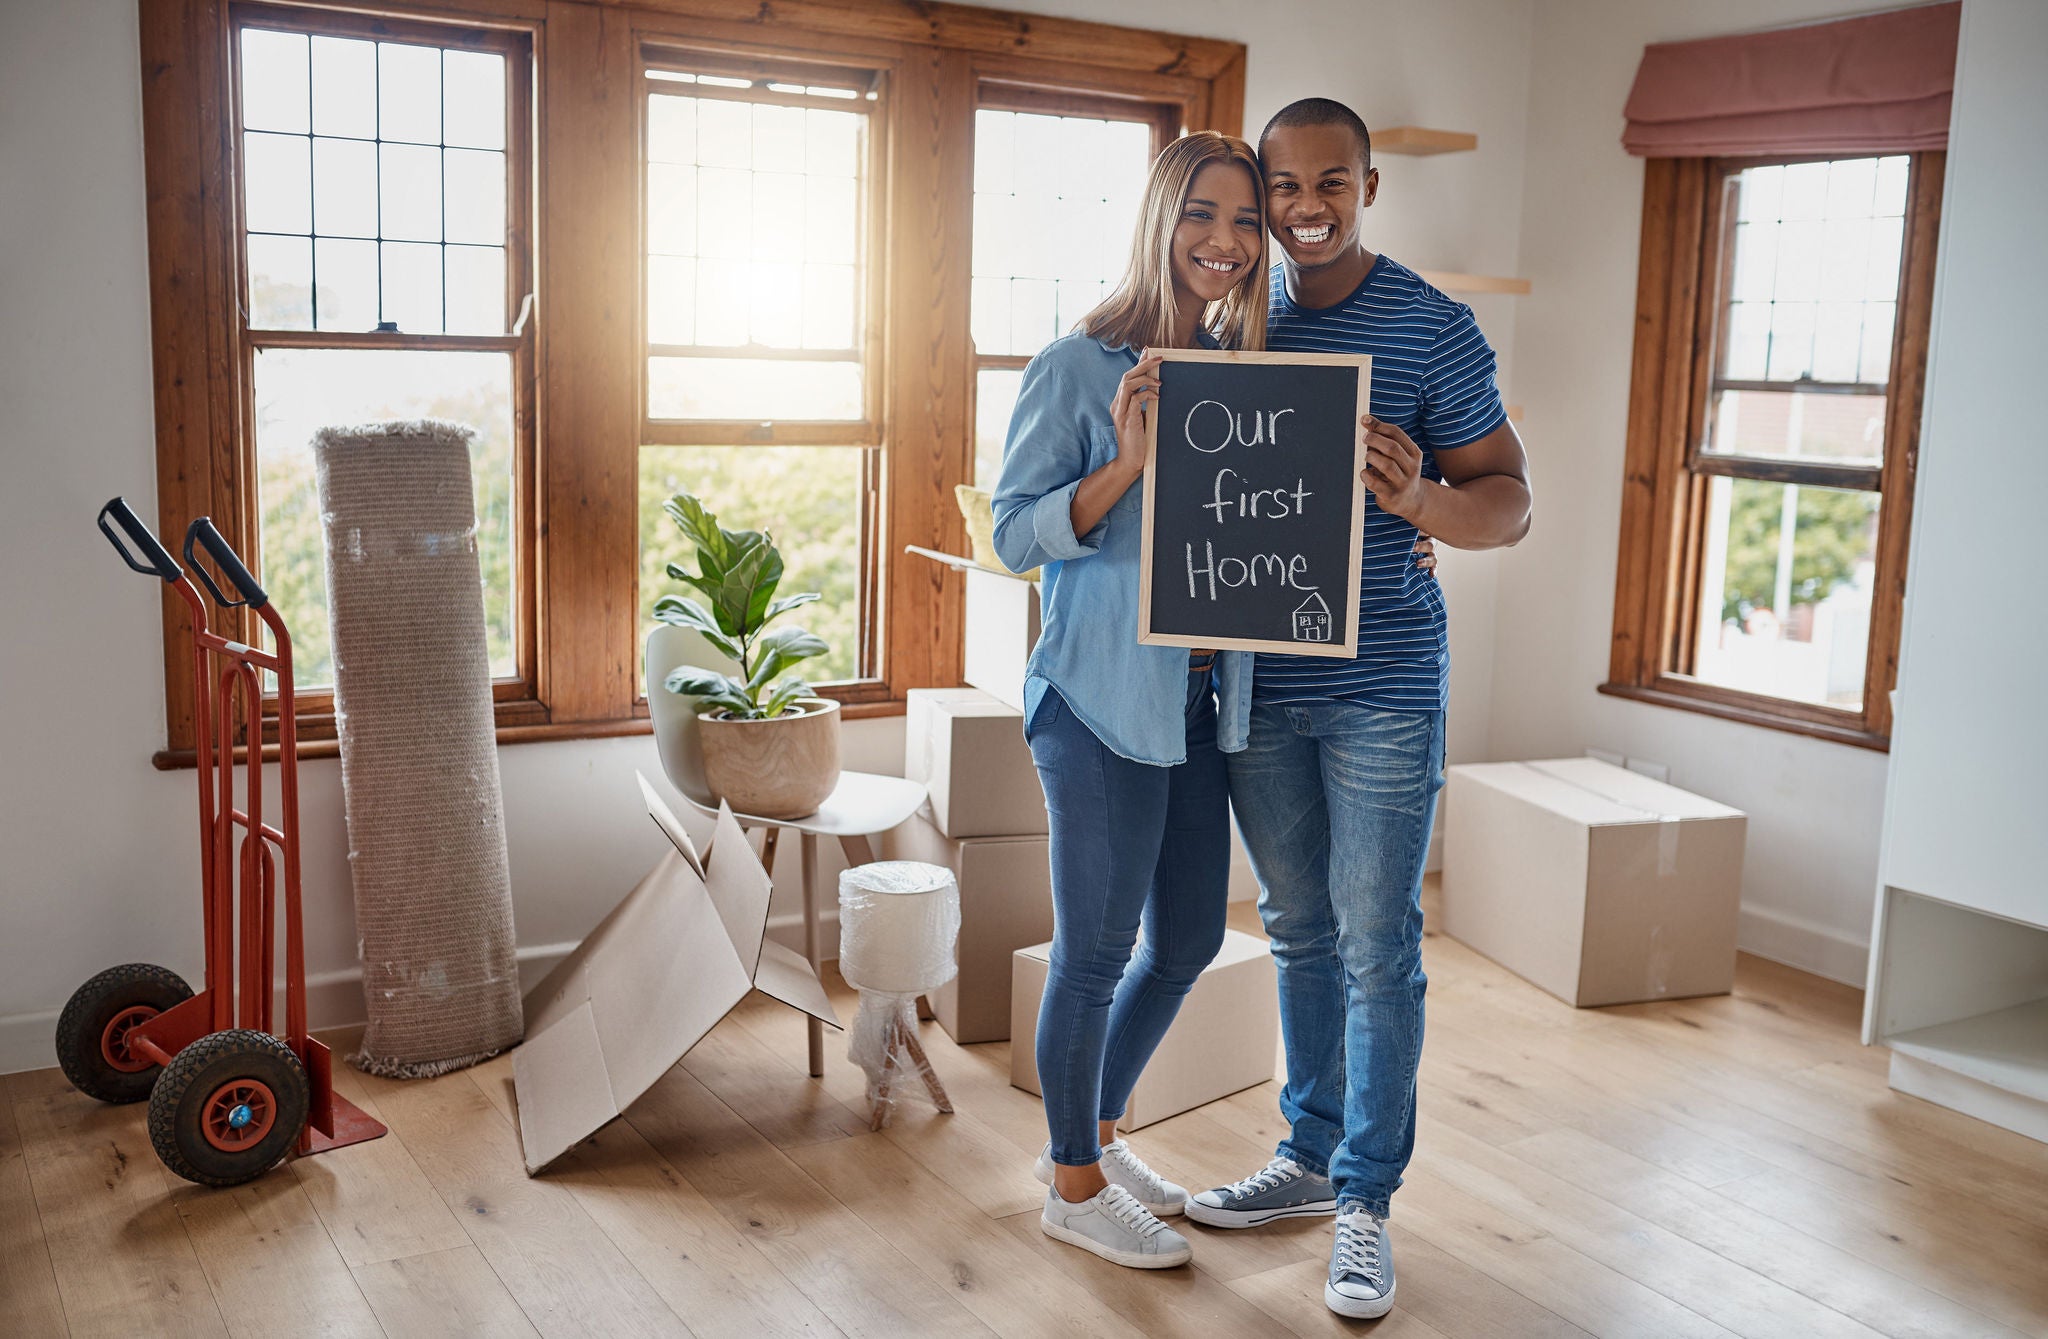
(779, 768)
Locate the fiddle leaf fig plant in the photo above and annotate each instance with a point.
(737, 575)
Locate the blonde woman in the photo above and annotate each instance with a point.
(1126, 737)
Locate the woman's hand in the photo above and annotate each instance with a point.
(1425, 554)
(1135, 395)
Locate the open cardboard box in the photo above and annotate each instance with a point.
(656, 975)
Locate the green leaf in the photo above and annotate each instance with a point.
(691, 681)
(683, 612)
(700, 527)
(748, 586)
(778, 650)
(786, 692)
(777, 608)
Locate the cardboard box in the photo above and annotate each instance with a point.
(1597, 884)
(1002, 627)
(1005, 903)
(648, 983)
(1225, 1038)
(969, 750)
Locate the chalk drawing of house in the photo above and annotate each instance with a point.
(1312, 620)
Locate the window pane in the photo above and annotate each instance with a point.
(741, 388)
(995, 396)
(408, 93)
(754, 241)
(274, 80)
(278, 183)
(409, 192)
(473, 101)
(344, 87)
(280, 283)
(1786, 590)
(1055, 203)
(476, 290)
(344, 188)
(348, 283)
(808, 498)
(301, 390)
(1844, 429)
(476, 196)
(412, 287)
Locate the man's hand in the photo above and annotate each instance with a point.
(1393, 468)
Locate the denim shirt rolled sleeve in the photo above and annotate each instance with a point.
(1133, 697)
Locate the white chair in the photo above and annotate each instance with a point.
(862, 804)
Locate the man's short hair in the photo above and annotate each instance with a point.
(1319, 112)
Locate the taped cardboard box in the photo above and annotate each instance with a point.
(969, 750)
(1005, 903)
(1598, 885)
(648, 983)
(1225, 1038)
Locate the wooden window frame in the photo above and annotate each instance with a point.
(1679, 289)
(583, 423)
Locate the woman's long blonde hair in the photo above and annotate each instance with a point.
(1138, 313)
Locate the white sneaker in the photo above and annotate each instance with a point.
(1361, 1281)
(1116, 1227)
(1121, 1167)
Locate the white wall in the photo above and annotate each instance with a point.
(100, 848)
(1963, 817)
(1814, 807)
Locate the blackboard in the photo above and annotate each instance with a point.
(1254, 502)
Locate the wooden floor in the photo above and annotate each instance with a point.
(1708, 1167)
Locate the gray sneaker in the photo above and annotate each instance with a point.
(1361, 1280)
(1122, 1167)
(1116, 1227)
(1283, 1189)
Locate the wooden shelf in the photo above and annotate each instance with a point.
(1418, 142)
(1452, 282)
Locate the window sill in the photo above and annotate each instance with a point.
(540, 732)
(1747, 708)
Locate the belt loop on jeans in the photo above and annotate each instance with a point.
(1199, 662)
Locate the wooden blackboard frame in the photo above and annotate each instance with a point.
(1346, 649)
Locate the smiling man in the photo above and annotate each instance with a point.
(1336, 790)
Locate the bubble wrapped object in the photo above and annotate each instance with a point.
(898, 924)
(419, 758)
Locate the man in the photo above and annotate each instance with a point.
(1336, 792)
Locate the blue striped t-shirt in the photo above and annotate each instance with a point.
(1432, 376)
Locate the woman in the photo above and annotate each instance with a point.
(1126, 737)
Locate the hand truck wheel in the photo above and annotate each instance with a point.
(228, 1107)
(92, 1032)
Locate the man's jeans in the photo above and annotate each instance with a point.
(1335, 800)
(1130, 842)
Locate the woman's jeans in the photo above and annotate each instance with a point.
(1129, 842)
(1335, 800)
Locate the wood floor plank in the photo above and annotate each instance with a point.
(862, 1283)
(1197, 1150)
(123, 1262)
(1695, 1277)
(375, 1201)
(442, 1295)
(1877, 1297)
(1293, 1296)
(954, 1244)
(781, 1101)
(272, 1266)
(29, 1301)
(1158, 1301)
(560, 1267)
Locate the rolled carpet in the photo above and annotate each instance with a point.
(419, 758)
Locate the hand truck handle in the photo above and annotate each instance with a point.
(159, 564)
(211, 539)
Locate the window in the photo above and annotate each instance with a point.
(759, 283)
(1773, 430)
(379, 257)
(1056, 188)
(664, 249)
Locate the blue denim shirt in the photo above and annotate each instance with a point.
(1133, 697)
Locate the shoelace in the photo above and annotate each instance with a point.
(1358, 1247)
(1135, 1168)
(1124, 1207)
(1275, 1173)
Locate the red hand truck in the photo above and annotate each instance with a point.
(228, 1095)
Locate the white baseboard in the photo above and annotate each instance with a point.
(1798, 942)
(333, 999)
